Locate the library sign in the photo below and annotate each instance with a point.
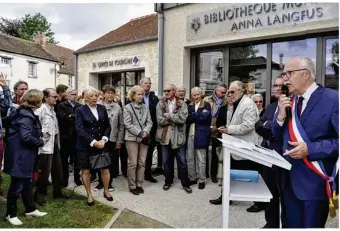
(134, 61)
(245, 17)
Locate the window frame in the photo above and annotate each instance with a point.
(35, 69)
(320, 57)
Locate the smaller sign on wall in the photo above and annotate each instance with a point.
(134, 61)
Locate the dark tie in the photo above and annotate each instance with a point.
(299, 105)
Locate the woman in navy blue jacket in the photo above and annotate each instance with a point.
(23, 139)
(198, 122)
(93, 129)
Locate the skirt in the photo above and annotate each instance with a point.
(83, 160)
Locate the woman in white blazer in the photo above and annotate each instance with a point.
(49, 161)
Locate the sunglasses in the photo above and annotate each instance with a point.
(166, 91)
(258, 101)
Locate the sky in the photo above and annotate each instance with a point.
(76, 25)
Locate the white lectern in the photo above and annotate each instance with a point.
(246, 191)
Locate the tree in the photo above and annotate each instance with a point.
(28, 27)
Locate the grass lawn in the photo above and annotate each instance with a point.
(129, 219)
(72, 213)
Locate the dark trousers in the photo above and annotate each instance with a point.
(304, 214)
(17, 186)
(68, 151)
(168, 155)
(272, 212)
(214, 158)
(123, 156)
(159, 156)
(49, 164)
(149, 158)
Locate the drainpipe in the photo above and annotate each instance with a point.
(76, 73)
(55, 75)
(160, 47)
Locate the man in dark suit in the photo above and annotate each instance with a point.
(65, 114)
(151, 100)
(311, 139)
(271, 175)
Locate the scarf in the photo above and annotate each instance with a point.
(218, 105)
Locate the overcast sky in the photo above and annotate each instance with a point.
(76, 25)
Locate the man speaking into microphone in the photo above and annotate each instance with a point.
(310, 142)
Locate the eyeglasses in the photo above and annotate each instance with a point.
(258, 101)
(166, 91)
(232, 92)
(73, 94)
(289, 73)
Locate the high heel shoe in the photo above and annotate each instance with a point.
(90, 203)
(110, 198)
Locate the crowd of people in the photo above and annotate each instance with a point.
(47, 131)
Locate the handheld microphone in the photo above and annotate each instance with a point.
(285, 91)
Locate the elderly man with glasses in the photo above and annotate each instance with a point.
(172, 114)
(311, 145)
(241, 124)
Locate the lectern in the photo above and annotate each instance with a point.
(246, 191)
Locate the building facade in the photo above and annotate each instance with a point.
(121, 57)
(208, 44)
(28, 61)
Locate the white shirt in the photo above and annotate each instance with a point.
(306, 96)
(196, 106)
(171, 105)
(95, 114)
(94, 111)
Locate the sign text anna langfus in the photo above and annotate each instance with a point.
(243, 17)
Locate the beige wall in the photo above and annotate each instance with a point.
(147, 53)
(64, 79)
(177, 47)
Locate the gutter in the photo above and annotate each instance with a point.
(159, 9)
(147, 39)
(76, 72)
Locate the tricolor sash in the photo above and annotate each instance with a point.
(298, 134)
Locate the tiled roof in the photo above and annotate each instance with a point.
(62, 54)
(137, 29)
(23, 47)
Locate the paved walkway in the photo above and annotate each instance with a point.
(178, 209)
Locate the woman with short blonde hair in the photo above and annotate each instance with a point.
(138, 124)
(93, 129)
(22, 144)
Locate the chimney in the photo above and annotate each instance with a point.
(40, 39)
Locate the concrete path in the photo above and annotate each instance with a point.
(178, 209)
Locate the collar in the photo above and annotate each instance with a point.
(71, 102)
(172, 101)
(309, 91)
(48, 107)
(137, 105)
(94, 107)
(147, 94)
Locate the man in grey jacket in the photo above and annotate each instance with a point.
(172, 114)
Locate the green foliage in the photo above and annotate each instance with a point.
(28, 27)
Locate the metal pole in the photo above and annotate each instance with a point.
(226, 187)
(160, 48)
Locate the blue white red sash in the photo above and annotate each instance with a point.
(297, 134)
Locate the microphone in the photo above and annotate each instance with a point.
(285, 91)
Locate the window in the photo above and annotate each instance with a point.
(210, 71)
(249, 64)
(332, 63)
(32, 69)
(5, 61)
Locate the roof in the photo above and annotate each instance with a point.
(136, 30)
(62, 54)
(24, 47)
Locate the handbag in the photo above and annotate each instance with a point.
(100, 161)
(145, 140)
